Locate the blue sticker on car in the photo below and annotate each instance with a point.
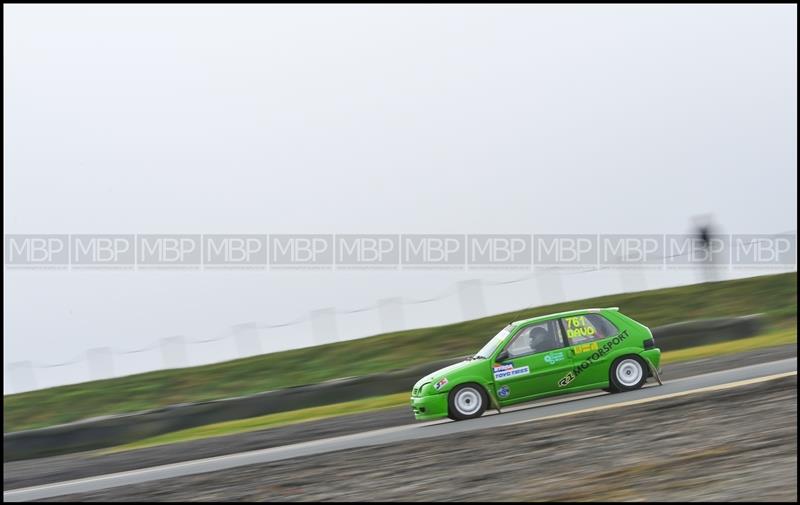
(503, 392)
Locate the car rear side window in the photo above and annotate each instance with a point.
(587, 328)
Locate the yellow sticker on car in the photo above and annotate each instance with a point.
(588, 347)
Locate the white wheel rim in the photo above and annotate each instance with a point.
(629, 372)
(468, 401)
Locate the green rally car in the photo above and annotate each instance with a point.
(549, 355)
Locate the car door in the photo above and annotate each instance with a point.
(537, 360)
(585, 335)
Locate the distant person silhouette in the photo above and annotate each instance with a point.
(705, 232)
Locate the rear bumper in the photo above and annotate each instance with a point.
(429, 407)
(654, 356)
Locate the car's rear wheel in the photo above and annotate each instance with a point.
(628, 373)
(466, 401)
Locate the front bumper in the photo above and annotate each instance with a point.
(429, 407)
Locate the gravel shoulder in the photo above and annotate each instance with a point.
(739, 444)
(26, 473)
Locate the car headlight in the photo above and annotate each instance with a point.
(421, 390)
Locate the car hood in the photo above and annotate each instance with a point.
(455, 367)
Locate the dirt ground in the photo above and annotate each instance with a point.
(733, 445)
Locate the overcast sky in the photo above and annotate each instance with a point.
(372, 119)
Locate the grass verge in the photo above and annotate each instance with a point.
(770, 339)
(773, 295)
(269, 421)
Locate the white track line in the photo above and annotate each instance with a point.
(718, 387)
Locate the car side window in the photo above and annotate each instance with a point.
(536, 338)
(588, 328)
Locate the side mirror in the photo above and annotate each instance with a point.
(502, 356)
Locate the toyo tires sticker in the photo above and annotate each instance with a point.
(507, 371)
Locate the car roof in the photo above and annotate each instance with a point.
(567, 313)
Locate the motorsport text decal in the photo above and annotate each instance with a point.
(571, 376)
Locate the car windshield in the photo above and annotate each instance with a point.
(491, 345)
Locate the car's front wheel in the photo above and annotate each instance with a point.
(628, 373)
(467, 401)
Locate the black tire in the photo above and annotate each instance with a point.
(462, 402)
(611, 389)
(628, 373)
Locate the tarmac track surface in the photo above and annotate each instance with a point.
(705, 383)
